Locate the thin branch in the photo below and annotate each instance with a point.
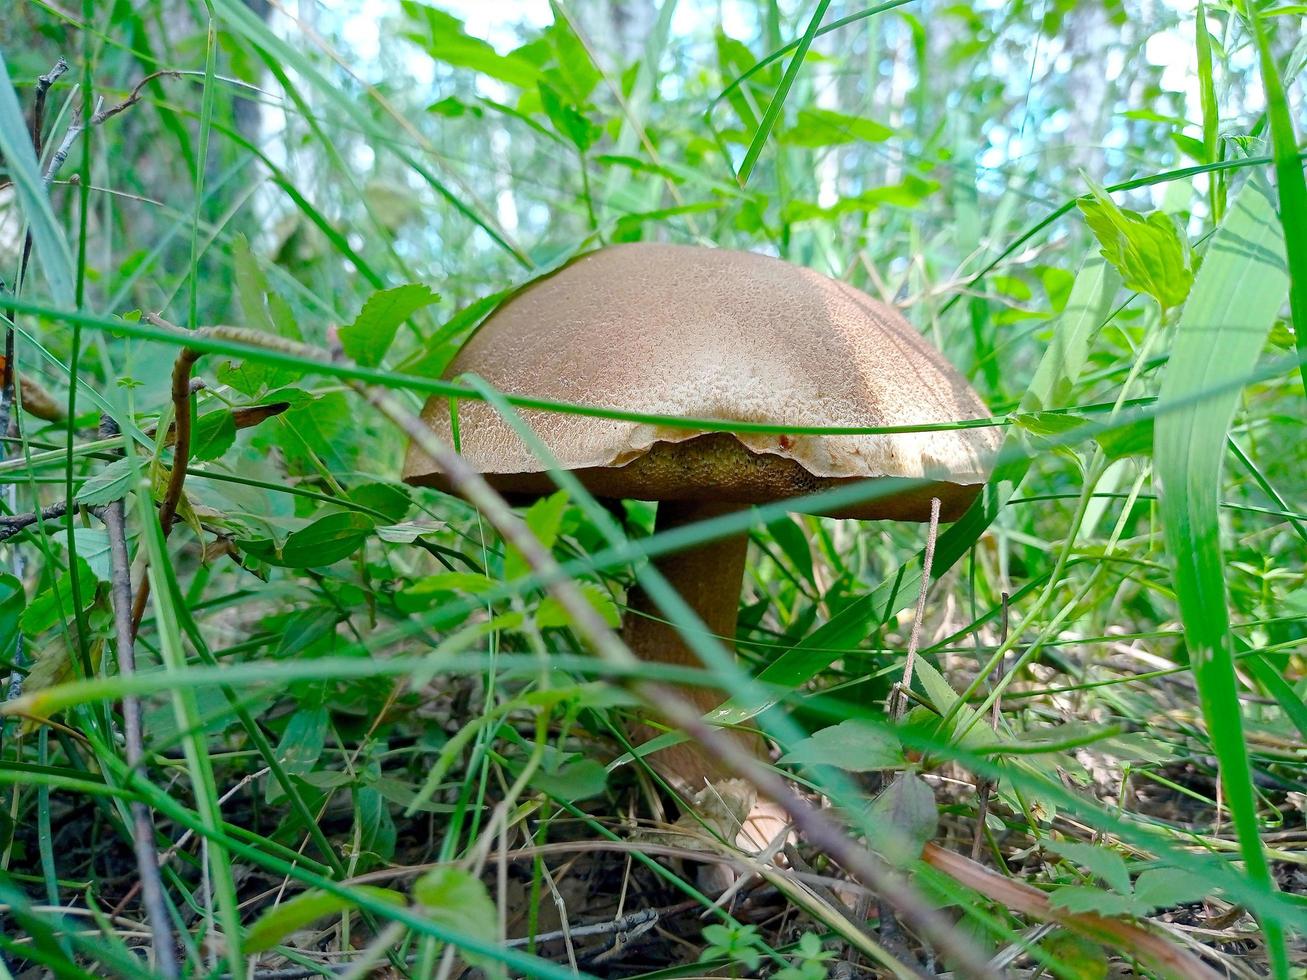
(182, 392)
(11, 524)
(43, 85)
(99, 116)
(143, 835)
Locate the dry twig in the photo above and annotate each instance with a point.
(143, 837)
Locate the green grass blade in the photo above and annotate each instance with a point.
(1211, 112)
(1221, 332)
(778, 100)
(164, 593)
(20, 160)
(1291, 184)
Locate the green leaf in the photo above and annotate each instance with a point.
(13, 599)
(794, 542)
(1291, 183)
(825, 127)
(25, 171)
(303, 740)
(369, 337)
(392, 501)
(326, 541)
(458, 900)
(578, 779)
(1135, 439)
(1152, 254)
(1219, 337)
(112, 483)
(568, 120)
(572, 71)
(904, 817)
(1083, 898)
(907, 193)
(551, 613)
(213, 434)
(302, 911)
(1102, 862)
(544, 518)
(54, 604)
(1077, 956)
(853, 745)
(251, 286)
(1160, 888)
(305, 628)
(442, 36)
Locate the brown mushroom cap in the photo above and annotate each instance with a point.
(710, 333)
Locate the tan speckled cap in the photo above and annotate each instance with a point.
(710, 333)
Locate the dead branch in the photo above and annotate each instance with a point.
(99, 116)
(143, 836)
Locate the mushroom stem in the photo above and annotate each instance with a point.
(708, 578)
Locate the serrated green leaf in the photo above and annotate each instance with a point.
(443, 37)
(1101, 861)
(1151, 253)
(551, 613)
(1082, 898)
(369, 337)
(112, 483)
(1160, 888)
(544, 518)
(568, 120)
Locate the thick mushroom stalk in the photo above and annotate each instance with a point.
(708, 578)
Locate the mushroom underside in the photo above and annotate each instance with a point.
(718, 467)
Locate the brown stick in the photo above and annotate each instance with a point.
(181, 454)
(143, 836)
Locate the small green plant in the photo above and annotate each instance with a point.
(740, 944)
(809, 962)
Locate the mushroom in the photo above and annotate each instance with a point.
(710, 333)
